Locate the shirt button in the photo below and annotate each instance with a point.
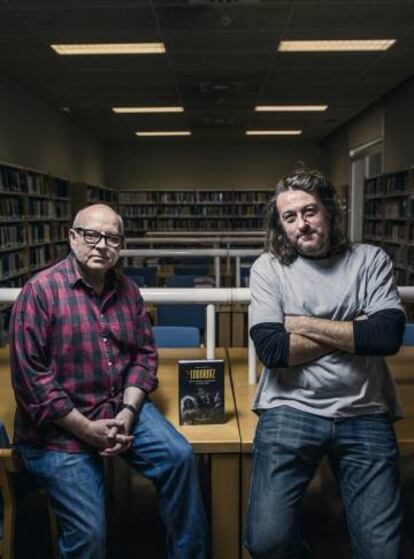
(102, 315)
(113, 390)
(105, 340)
(110, 363)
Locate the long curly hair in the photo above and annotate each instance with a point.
(313, 182)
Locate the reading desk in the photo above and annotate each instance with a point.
(221, 442)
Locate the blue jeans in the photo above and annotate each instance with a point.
(363, 454)
(74, 483)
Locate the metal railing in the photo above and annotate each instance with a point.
(209, 297)
(215, 253)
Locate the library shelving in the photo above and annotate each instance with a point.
(192, 210)
(34, 224)
(83, 194)
(389, 219)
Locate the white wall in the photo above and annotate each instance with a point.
(35, 135)
(399, 128)
(391, 117)
(181, 164)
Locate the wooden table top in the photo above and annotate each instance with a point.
(204, 438)
(220, 438)
(7, 401)
(402, 369)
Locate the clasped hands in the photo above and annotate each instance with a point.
(111, 436)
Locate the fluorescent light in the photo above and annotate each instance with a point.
(290, 108)
(340, 45)
(110, 48)
(273, 132)
(126, 110)
(174, 133)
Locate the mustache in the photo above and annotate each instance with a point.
(306, 231)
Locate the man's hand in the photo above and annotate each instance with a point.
(336, 334)
(121, 435)
(105, 433)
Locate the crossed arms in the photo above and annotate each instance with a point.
(305, 338)
(311, 338)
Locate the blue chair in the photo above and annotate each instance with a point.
(181, 315)
(187, 269)
(408, 338)
(148, 272)
(176, 336)
(139, 280)
(180, 281)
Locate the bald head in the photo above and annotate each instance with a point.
(97, 212)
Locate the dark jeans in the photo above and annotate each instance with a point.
(74, 483)
(363, 454)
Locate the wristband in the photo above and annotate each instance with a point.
(130, 407)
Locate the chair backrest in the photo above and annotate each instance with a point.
(179, 281)
(139, 280)
(192, 270)
(408, 338)
(176, 336)
(148, 272)
(181, 315)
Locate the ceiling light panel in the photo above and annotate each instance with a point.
(291, 108)
(109, 48)
(147, 110)
(273, 132)
(171, 133)
(336, 45)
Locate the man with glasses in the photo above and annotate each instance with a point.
(83, 363)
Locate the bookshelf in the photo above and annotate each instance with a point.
(83, 194)
(192, 210)
(34, 224)
(389, 219)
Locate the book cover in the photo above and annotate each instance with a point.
(201, 391)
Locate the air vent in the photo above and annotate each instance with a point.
(220, 89)
(223, 2)
(217, 121)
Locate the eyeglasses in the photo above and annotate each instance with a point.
(93, 237)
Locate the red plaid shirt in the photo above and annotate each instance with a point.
(71, 348)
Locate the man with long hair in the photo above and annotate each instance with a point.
(325, 312)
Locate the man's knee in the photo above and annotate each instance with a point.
(84, 534)
(270, 544)
(181, 454)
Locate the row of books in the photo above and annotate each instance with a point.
(48, 209)
(97, 194)
(395, 231)
(395, 208)
(40, 256)
(373, 229)
(11, 264)
(205, 211)
(12, 235)
(11, 208)
(191, 224)
(395, 183)
(21, 181)
(373, 208)
(194, 196)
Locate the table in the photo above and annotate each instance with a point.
(221, 442)
(7, 400)
(402, 369)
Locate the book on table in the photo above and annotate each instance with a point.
(201, 391)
